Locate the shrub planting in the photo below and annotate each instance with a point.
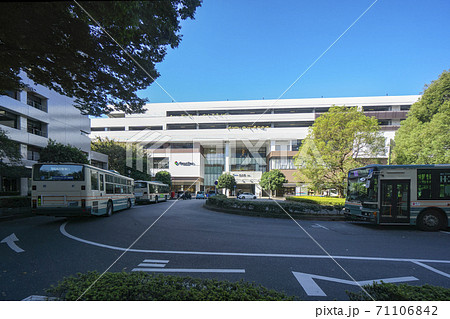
(147, 287)
(15, 202)
(338, 203)
(401, 292)
(270, 208)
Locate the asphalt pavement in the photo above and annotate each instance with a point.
(314, 260)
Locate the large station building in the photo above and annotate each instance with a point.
(198, 141)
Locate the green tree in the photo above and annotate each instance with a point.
(424, 137)
(272, 180)
(9, 149)
(339, 140)
(117, 158)
(226, 181)
(59, 153)
(164, 177)
(59, 45)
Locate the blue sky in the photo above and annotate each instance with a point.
(254, 49)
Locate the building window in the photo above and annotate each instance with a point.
(9, 119)
(405, 107)
(143, 128)
(117, 128)
(36, 101)
(186, 126)
(36, 128)
(98, 129)
(296, 145)
(212, 126)
(384, 122)
(181, 145)
(13, 94)
(281, 163)
(377, 108)
(160, 162)
(293, 124)
(33, 153)
(292, 110)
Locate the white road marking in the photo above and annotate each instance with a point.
(39, 298)
(432, 269)
(319, 226)
(10, 241)
(445, 232)
(180, 270)
(312, 288)
(155, 261)
(151, 265)
(209, 253)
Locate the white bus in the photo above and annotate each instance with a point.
(151, 191)
(78, 190)
(401, 194)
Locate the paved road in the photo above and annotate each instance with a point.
(184, 238)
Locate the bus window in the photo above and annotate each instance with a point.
(444, 185)
(94, 180)
(102, 182)
(48, 172)
(423, 184)
(109, 188)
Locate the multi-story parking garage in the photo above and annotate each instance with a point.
(198, 141)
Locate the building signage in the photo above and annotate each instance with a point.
(177, 163)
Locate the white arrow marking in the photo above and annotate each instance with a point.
(10, 242)
(313, 289)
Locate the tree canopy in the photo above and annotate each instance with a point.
(8, 148)
(58, 45)
(164, 177)
(424, 137)
(59, 153)
(272, 180)
(117, 158)
(226, 181)
(339, 140)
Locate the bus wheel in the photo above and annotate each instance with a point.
(430, 220)
(129, 204)
(109, 209)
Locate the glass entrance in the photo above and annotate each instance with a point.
(394, 201)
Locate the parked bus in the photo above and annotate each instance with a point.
(151, 191)
(78, 190)
(401, 194)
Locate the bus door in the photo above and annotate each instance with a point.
(395, 201)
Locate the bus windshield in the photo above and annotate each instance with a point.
(55, 172)
(362, 186)
(140, 185)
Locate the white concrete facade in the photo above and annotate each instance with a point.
(35, 115)
(242, 137)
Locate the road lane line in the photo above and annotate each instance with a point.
(432, 269)
(208, 253)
